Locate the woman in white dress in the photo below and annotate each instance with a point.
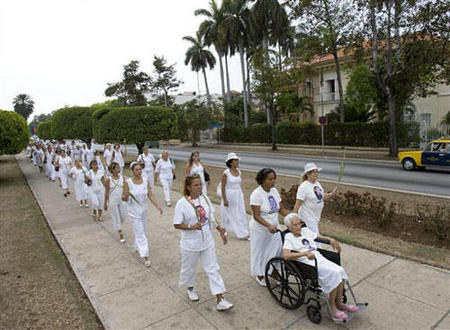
(95, 180)
(137, 192)
(195, 166)
(89, 154)
(77, 174)
(64, 164)
(232, 207)
(310, 197)
(148, 172)
(165, 171)
(107, 154)
(193, 216)
(300, 245)
(117, 156)
(100, 161)
(265, 241)
(113, 195)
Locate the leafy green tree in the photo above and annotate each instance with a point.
(293, 107)
(196, 117)
(361, 94)
(165, 77)
(45, 130)
(23, 105)
(446, 120)
(107, 104)
(134, 124)
(73, 123)
(200, 58)
(329, 27)
(133, 87)
(37, 119)
(14, 135)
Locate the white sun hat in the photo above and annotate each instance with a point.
(231, 156)
(310, 167)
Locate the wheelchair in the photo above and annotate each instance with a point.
(294, 280)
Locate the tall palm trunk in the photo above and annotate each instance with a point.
(228, 78)
(249, 91)
(244, 89)
(340, 88)
(267, 64)
(208, 96)
(219, 54)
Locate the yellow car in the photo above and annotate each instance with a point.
(435, 155)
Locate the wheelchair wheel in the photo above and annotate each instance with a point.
(314, 314)
(285, 283)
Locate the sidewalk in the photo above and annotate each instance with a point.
(127, 295)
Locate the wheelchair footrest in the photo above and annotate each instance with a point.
(361, 308)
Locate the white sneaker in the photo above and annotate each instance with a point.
(224, 305)
(193, 296)
(122, 240)
(168, 204)
(147, 263)
(261, 282)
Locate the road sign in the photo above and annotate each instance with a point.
(322, 120)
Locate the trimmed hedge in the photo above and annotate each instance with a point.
(45, 130)
(134, 124)
(73, 123)
(14, 135)
(336, 134)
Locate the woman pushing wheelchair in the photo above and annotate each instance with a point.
(299, 245)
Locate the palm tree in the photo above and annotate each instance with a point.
(23, 105)
(237, 24)
(200, 58)
(210, 29)
(269, 22)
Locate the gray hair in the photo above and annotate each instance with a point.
(291, 216)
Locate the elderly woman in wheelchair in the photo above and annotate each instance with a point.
(306, 267)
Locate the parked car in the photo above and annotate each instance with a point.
(152, 144)
(435, 155)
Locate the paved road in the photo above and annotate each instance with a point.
(380, 174)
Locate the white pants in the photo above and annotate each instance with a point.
(53, 173)
(140, 233)
(210, 266)
(64, 180)
(263, 247)
(118, 213)
(97, 199)
(150, 177)
(167, 185)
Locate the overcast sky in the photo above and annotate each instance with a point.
(64, 52)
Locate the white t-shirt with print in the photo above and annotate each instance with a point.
(303, 243)
(312, 196)
(164, 168)
(269, 203)
(192, 240)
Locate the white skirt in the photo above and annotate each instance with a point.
(263, 247)
(80, 191)
(234, 217)
(330, 274)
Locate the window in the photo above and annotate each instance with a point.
(425, 119)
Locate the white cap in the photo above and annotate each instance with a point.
(310, 167)
(231, 156)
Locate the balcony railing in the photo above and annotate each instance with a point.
(327, 97)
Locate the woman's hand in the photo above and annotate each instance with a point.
(272, 229)
(223, 234)
(197, 226)
(335, 245)
(309, 255)
(160, 209)
(225, 203)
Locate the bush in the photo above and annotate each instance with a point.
(45, 130)
(14, 135)
(73, 123)
(134, 124)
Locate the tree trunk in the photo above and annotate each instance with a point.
(194, 135)
(393, 148)
(273, 128)
(244, 92)
(228, 79)
(249, 91)
(267, 64)
(340, 89)
(165, 98)
(208, 97)
(221, 73)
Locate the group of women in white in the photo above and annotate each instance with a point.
(103, 183)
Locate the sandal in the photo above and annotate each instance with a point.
(339, 316)
(349, 308)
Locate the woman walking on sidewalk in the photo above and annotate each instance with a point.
(165, 171)
(95, 180)
(113, 195)
(117, 156)
(232, 207)
(77, 174)
(193, 216)
(266, 241)
(137, 192)
(148, 171)
(64, 165)
(193, 166)
(310, 196)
